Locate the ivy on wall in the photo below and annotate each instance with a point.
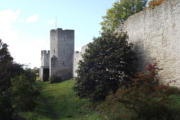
(154, 3)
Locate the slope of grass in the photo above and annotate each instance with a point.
(59, 102)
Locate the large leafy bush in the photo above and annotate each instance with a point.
(107, 64)
(25, 92)
(147, 98)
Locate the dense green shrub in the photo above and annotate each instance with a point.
(6, 109)
(25, 92)
(107, 64)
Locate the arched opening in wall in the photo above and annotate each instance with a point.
(45, 74)
(53, 61)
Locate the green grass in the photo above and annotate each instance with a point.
(59, 102)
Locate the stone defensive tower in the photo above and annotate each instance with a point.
(44, 69)
(61, 53)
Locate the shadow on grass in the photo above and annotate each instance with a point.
(46, 108)
(59, 102)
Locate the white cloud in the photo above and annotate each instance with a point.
(52, 22)
(21, 20)
(7, 18)
(8, 33)
(20, 46)
(33, 18)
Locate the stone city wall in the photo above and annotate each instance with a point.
(45, 58)
(77, 58)
(156, 36)
(44, 68)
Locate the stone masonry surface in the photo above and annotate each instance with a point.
(61, 53)
(77, 58)
(58, 62)
(44, 63)
(156, 36)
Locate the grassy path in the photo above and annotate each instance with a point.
(59, 102)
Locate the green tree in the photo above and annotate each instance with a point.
(120, 11)
(5, 62)
(8, 69)
(6, 109)
(24, 92)
(106, 65)
(19, 93)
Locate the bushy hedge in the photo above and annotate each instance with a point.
(107, 64)
(25, 92)
(145, 99)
